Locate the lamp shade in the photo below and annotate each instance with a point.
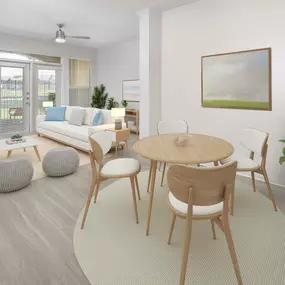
(118, 112)
(60, 41)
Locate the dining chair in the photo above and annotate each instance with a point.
(256, 142)
(198, 193)
(170, 127)
(101, 143)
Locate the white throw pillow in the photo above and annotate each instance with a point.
(107, 118)
(68, 112)
(88, 116)
(77, 116)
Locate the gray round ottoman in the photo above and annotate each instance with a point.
(15, 174)
(60, 161)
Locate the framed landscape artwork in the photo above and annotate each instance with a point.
(131, 90)
(240, 80)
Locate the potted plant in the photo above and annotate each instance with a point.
(112, 103)
(124, 103)
(51, 97)
(15, 139)
(282, 158)
(99, 97)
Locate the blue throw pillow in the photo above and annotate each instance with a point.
(55, 114)
(98, 119)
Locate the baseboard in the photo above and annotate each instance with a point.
(260, 179)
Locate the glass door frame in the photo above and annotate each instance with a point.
(58, 79)
(26, 90)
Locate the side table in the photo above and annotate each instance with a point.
(122, 135)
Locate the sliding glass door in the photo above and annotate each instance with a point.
(14, 98)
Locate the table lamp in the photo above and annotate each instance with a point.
(118, 114)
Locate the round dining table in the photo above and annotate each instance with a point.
(163, 148)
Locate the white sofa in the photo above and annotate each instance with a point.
(75, 136)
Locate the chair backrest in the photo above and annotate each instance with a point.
(208, 184)
(172, 127)
(254, 140)
(101, 143)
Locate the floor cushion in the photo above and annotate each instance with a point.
(60, 161)
(15, 174)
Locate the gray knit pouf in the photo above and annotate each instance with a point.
(15, 174)
(60, 161)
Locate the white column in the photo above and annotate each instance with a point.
(150, 70)
(64, 98)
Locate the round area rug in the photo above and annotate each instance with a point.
(113, 250)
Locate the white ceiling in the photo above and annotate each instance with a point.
(105, 21)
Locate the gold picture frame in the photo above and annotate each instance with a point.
(237, 80)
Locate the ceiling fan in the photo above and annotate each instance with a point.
(60, 36)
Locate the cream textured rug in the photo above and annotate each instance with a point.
(113, 250)
(45, 145)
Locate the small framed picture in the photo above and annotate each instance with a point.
(131, 90)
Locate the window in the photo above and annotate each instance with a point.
(29, 57)
(79, 82)
(79, 73)
(14, 56)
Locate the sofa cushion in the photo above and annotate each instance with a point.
(107, 118)
(89, 112)
(77, 116)
(68, 112)
(55, 114)
(66, 129)
(97, 119)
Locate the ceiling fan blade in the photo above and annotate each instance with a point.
(79, 37)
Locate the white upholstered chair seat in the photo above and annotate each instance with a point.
(120, 166)
(197, 210)
(243, 163)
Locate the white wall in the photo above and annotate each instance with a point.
(217, 26)
(117, 63)
(65, 51)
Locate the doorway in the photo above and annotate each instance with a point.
(29, 84)
(14, 97)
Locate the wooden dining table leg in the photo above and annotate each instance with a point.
(152, 187)
(149, 176)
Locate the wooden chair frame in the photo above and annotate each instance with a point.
(96, 157)
(16, 112)
(164, 163)
(221, 219)
(262, 171)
